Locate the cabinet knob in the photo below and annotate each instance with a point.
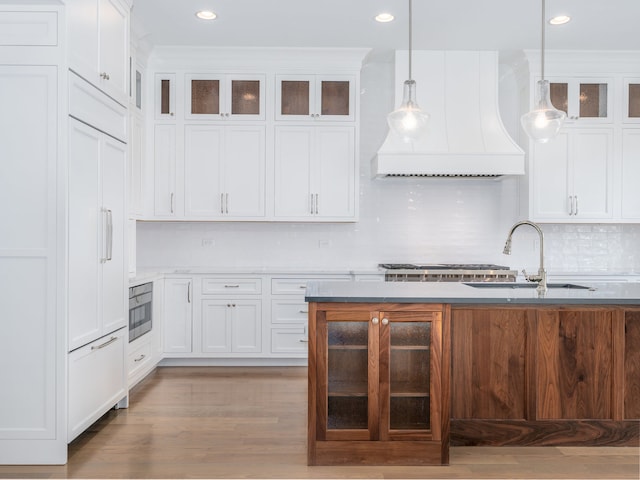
(385, 321)
(105, 75)
(374, 320)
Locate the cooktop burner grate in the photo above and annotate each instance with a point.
(448, 272)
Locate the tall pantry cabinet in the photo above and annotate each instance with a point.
(32, 238)
(62, 256)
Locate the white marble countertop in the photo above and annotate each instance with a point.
(603, 293)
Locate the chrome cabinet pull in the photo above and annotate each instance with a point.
(311, 204)
(304, 340)
(171, 201)
(105, 227)
(189, 292)
(316, 203)
(303, 311)
(140, 358)
(302, 286)
(222, 203)
(110, 235)
(232, 286)
(226, 203)
(571, 205)
(108, 342)
(576, 212)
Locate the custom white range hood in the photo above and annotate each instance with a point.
(466, 137)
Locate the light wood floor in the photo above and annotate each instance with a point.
(235, 422)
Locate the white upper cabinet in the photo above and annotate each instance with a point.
(631, 105)
(224, 97)
(224, 171)
(630, 204)
(99, 44)
(584, 100)
(572, 177)
(315, 173)
(329, 98)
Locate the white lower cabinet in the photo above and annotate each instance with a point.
(231, 326)
(233, 318)
(140, 359)
(96, 380)
(178, 314)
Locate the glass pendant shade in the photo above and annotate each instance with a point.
(408, 122)
(544, 122)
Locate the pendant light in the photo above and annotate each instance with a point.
(409, 122)
(543, 122)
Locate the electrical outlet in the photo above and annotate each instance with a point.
(208, 242)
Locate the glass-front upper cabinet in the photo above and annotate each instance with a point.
(315, 98)
(224, 97)
(632, 100)
(165, 96)
(583, 99)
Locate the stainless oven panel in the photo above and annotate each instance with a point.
(140, 310)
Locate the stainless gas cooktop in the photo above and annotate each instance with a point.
(447, 272)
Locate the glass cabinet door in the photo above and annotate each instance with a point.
(165, 96)
(225, 97)
(348, 375)
(315, 98)
(632, 100)
(586, 99)
(409, 375)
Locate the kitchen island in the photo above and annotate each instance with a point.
(399, 371)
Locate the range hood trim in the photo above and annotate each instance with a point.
(467, 136)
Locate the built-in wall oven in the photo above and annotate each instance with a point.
(140, 310)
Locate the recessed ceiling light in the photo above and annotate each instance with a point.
(560, 20)
(206, 15)
(384, 17)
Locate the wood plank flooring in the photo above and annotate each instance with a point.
(241, 422)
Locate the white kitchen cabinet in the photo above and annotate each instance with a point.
(231, 325)
(289, 313)
(631, 105)
(165, 96)
(224, 97)
(33, 239)
(140, 359)
(99, 43)
(572, 177)
(97, 234)
(97, 380)
(224, 171)
(136, 164)
(324, 98)
(584, 100)
(178, 315)
(630, 174)
(166, 199)
(315, 173)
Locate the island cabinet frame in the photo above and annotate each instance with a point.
(545, 375)
(378, 384)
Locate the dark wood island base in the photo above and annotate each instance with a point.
(395, 384)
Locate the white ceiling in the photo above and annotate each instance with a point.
(440, 25)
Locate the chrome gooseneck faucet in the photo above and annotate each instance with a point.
(541, 277)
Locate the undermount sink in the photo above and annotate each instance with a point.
(525, 285)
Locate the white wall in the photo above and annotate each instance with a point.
(401, 220)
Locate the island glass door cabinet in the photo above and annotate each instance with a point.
(378, 389)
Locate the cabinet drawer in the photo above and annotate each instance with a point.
(140, 355)
(96, 381)
(292, 311)
(297, 286)
(289, 340)
(231, 286)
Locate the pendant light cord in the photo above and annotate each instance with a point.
(542, 41)
(410, 37)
